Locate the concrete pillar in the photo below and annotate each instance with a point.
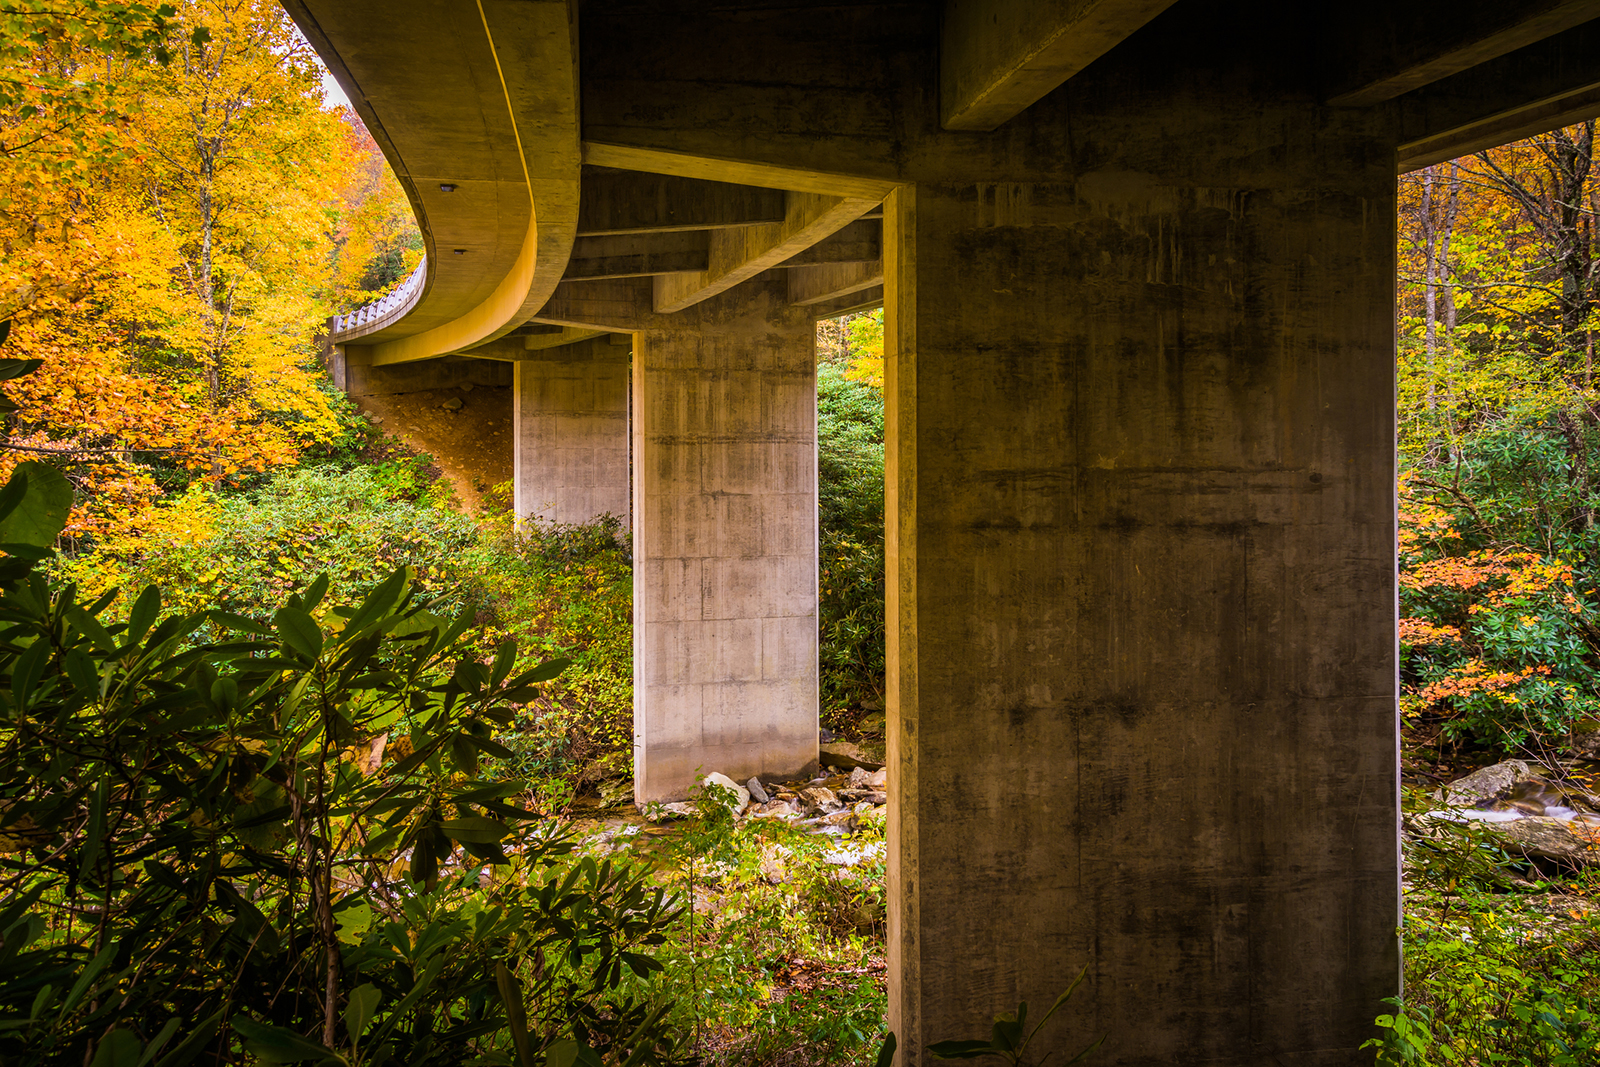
(1141, 575)
(725, 546)
(571, 437)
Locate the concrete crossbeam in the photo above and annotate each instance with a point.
(831, 281)
(725, 543)
(639, 255)
(629, 201)
(1403, 46)
(737, 255)
(997, 57)
(570, 434)
(859, 242)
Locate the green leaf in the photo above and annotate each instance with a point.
(961, 1050)
(17, 368)
(545, 671)
(477, 829)
(359, 1009)
(143, 614)
(195, 1043)
(119, 1048)
(886, 1051)
(1062, 999)
(159, 1042)
(569, 1053)
(516, 1016)
(41, 515)
(275, 1044)
(299, 631)
(29, 670)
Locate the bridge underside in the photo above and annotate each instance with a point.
(1137, 265)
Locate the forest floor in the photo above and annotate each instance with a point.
(471, 445)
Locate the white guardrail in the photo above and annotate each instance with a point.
(370, 318)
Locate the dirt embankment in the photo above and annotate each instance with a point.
(471, 443)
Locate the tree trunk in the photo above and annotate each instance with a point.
(1430, 287)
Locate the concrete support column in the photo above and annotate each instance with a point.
(725, 546)
(1141, 574)
(571, 433)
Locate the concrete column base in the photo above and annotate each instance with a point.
(725, 547)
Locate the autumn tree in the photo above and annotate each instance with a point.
(173, 275)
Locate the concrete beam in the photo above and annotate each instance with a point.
(626, 201)
(1513, 125)
(1541, 87)
(859, 242)
(831, 281)
(457, 120)
(638, 255)
(996, 57)
(865, 300)
(1423, 47)
(734, 169)
(617, 304)
(739, 255)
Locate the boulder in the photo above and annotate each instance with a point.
(1575, 841)
(455, 403)
(847, 756)
(879, 779)
(1587, 745)
(741, 798)
(859, 778)
(821, 797)
(757, 793)
(1485, 784)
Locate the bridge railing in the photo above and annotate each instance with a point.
(370, 318)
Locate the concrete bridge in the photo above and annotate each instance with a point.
(1137, 263)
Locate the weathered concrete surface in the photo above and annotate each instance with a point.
(352, 371)
(571, 433)
(1143, 666)
(725, 542)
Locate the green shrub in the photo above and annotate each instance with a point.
(851, 553)
(246, 552)
(564, 591)
(279, 846)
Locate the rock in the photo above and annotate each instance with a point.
(378, 419)
(1587, 745)
(742, 794)
(773, 866)
(843, 754)
(676, 809)
(776, 809)
(859, 778)
(820, 796)
(757, 793)
(877, 798)
(455, 403)
(839, 818)
(879, 779)
(1483, 785)
(1576, 841)
(466, 387)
